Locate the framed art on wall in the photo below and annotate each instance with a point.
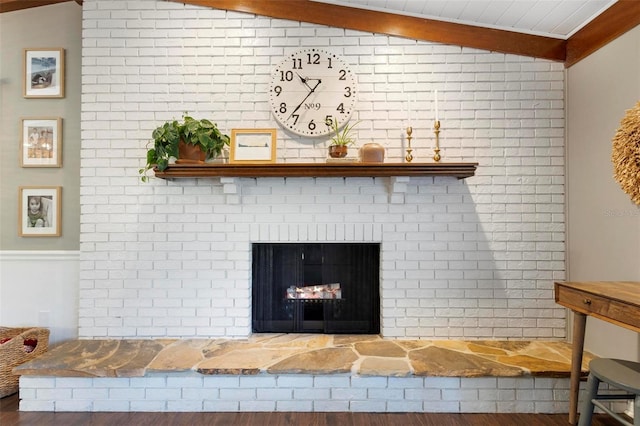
(39, 211)
(41, 142)
(253, 146)
(43, 73)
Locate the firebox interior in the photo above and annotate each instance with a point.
(316, 288)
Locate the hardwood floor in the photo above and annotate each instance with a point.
(10, 416)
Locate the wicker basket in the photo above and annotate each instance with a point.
(24, 345)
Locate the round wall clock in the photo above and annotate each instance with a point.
(311, 89)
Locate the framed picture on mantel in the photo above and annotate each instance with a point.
(253, 146)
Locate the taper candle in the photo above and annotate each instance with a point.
(435, 96)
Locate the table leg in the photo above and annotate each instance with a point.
(579, 323)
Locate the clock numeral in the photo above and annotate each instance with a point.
(347, 93)
(313, 59)
(330, 63)
(312, 125)
(340, 108)
(328, 120)
(295, 118)
(277, 90)
(343, 75)
(286, 75)
(283, 108)
(297, 63)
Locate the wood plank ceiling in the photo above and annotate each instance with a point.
(371, 16)
(551, 18)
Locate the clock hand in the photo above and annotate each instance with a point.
(313, 89)
(304, 81)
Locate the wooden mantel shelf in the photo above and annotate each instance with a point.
(458, 170)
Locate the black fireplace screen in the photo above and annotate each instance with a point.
(316, 288)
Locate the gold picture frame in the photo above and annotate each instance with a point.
(43, 73)
(39, 211)
(253, 146)
(41, 142)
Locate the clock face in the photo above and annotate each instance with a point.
(310, 88)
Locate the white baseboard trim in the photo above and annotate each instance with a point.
(39, 255)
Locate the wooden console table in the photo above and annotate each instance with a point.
(617, 302)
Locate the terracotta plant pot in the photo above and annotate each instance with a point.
(337, 151)
(189, 153)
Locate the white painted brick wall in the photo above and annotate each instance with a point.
(460, 259)
(296, 393)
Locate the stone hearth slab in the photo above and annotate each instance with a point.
(318, 361)
(305, 354)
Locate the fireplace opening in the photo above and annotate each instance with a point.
(331, 288)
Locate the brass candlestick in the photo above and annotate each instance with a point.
(436, 130)
(409, 157)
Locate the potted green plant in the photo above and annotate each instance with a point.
(189, 140)
(341, 139)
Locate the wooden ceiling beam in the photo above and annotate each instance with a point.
(621, 17)
(396, 25)
(12, 5)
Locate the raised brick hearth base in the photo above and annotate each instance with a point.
(300, 373)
